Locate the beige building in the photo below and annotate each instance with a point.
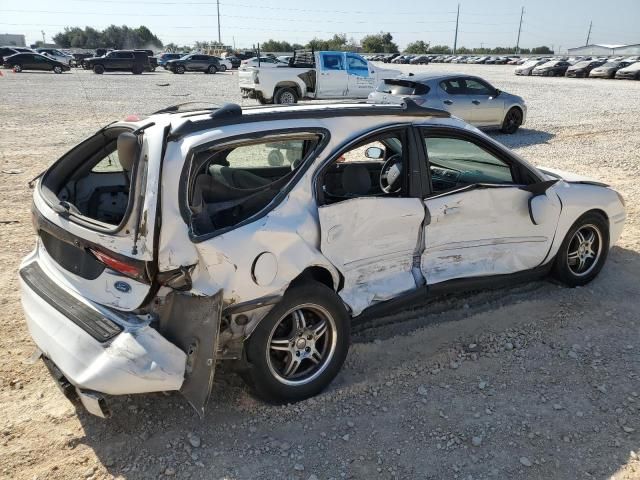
(11, 39)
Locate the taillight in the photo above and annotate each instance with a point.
(120, 266)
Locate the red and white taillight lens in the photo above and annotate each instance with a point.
(130, 269)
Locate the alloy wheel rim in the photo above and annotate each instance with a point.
(301, 344)
(287, 97)
(585, 249)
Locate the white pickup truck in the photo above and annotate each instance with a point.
(313, 75)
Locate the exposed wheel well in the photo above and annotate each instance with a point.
(319, 274)
(293, 85)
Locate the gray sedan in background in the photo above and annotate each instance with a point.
(468, 97)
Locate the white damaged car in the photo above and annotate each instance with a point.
(171, 243)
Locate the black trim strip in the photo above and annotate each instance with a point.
(89, 320)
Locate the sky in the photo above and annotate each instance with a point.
(489, 23)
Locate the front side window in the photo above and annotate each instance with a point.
(357, 66)
(375, 167)
(476, 87)
(456, 163)
(231, 183)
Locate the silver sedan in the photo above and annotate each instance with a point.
(470, 98)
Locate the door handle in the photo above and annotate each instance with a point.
(475, 102)
(448, 102)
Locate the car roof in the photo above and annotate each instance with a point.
(233, 114)
(427, 77)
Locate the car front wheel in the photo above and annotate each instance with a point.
(179, 69)
(17, 68)
(512, 120)
(57, 69)
(583, 251)
(223, 68)
(300, 346)
(212, 69)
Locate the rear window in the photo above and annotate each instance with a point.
(402, 87)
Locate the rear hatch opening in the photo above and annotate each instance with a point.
(95, 219)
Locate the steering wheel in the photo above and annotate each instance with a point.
(391, 174)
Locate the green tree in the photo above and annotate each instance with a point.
(417, 47)
(380, 43)
(541, 50)
(112, 36)
(440, 49)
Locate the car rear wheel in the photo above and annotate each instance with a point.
(285, 95)
(212, 69)
(137, 69)
(57, 69)
(512, 120)
(17, 68)
(583, 251)
(300, 346)
(99, 69)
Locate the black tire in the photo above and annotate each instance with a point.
(263, 376)
(17, 68)
(57, 69)
(285, 95)
(137, 69)
(179, 69)
(566, 273)
(223, 68)
(99, 69)
(512, 120)
(211, 70)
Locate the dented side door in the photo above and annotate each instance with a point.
(485, 230)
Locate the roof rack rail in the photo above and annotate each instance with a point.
(231, 114)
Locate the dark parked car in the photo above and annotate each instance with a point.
(632, 72)
(608, 70)
(195, 62)
(34, 61)
(235, 61)
(582, 69)
(120, 61)
(553, 68)
(153, 61)
(7, 52)
(163, 58)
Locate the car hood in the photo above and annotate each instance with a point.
(570, 177)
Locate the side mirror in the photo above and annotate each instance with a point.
(541, 209)
(497, 92)
(374, 153)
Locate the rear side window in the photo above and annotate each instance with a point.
(454, 86)
(332, 61)
(230, 184)
(402, 87)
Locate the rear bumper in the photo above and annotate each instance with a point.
(95, 348)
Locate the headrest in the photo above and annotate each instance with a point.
(127, 150)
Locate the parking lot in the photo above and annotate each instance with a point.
(538, 381)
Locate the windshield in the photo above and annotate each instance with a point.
(635, 66)
(530, 63)
(582, 64)
(550, 64)
(611, 64)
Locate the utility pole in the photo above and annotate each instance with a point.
(43, 41)
(519, 30)
(589, 34)
(455, 40)
(219, 36)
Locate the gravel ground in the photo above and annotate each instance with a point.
(538, 381)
